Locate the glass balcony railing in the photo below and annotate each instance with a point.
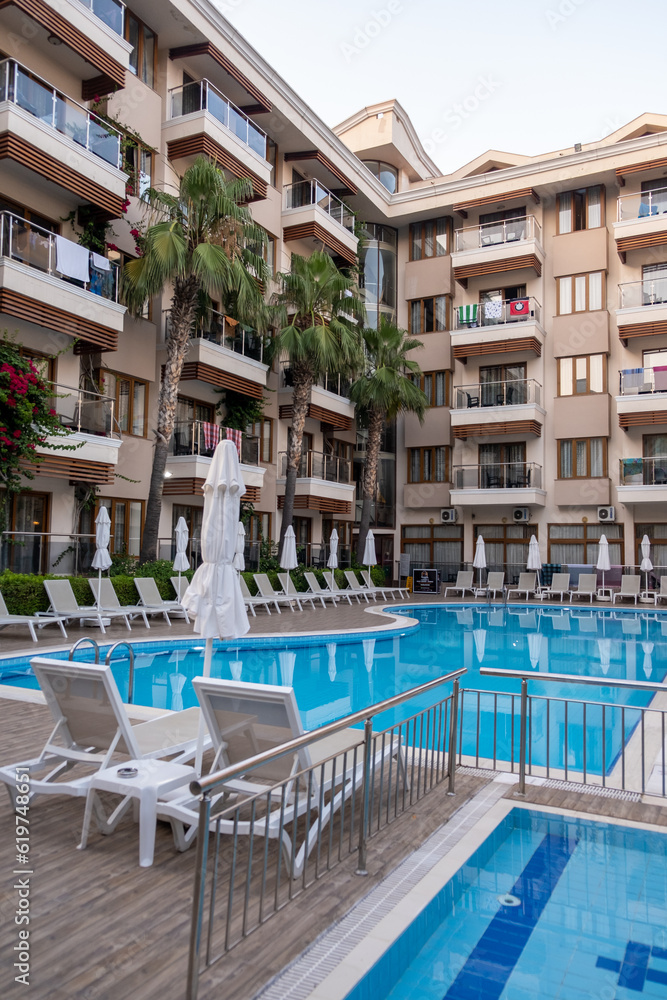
(501, 475)
(84, 412)
(304, 193)
(199, 438)
(497, 312)
(643, 380)
(203, 96)
(492, 234)
(513, 392)
(649, 292)
(36, 247)
(315, 465)
(21, 87)
(643, 471)
(338, 384)
(110, 12)
(219, 329)
(642, 204)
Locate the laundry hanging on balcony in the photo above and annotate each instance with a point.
(72, 260)
(99, 262)
(519, 307)
(236, 437)
(468, 315)
(211, 435)
(493, 309)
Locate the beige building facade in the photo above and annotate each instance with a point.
(538, 287)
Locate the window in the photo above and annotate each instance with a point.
(272, 159)
(655, 198)
(143, 58)
(138, 163)
(193, 409)
(580, 293)
(428, 239)
(581, 209)
(654, 284)
(263, 431)
(428, 465)
(131, 395)
(127, 518)
(193, 518)
(506, 546)
(503, 385)
(28, 517)
(657, 534)
(385, 173)
(435, 385)
(429, 315)
(259, 528)
(582, 458)
(577, 544)
(582, 376)
(503, 466)
(44, 363)
(24, 213)
(657, 357)
(439, 545)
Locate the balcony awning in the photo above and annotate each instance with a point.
(639, 419)
(313, 230)
(496, 427)
(337, 420)
(211, 53)
(66, 467)
(639, 168)
(337, 175)
(463, 351)
(500, 197)
(325, 505)
(496, 266)
(642, 330)
(201, 372)
(182, 486)
(88, 333)
(202, 144)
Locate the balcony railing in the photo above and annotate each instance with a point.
(512, 392)
(197, 437)
(338, 384)
(110, 12)
(649, 292)
(45, 551)
(203, 96)
(643, 380)
(495, 313)
(500, 476)
(642, 204)
(221, 330)
(85, 412)
(37, 247)
(492, 234)
(304, 193)
(643, 471)
(21, 87)
(315, 465)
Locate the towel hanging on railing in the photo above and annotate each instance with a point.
(72, 260)
(235, 436)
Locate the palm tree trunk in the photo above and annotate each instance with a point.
(302, 382)
(370, 478)
(183, 307)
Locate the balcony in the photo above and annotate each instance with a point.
(312, 212)
(641, 220)
(191, 449)
(323, 483)
(642, 480)
(498, 327)
(109, 12)
(90, 419)
(642, 310)
(643, 397)
(494, 247)
(489, 408)
(328, 399)
(518, 483)
(204, 120)
(58, 284)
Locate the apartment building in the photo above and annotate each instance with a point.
(538, 286)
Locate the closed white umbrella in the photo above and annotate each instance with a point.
(236, 666)
(603, 563)
(369, 657)
(181, 562)
(604, 649)
(331, 650)
(533, 560)
(102, 559)
(534, 648)
(288, 559)
(646, 564)
(479, 562)
(332, 561)
(287, 659)
(177, 683)
(239, 558)
(648, 663)
(369, 553)
(479, 635)
(214, 596)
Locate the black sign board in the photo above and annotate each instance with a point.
(425, 581)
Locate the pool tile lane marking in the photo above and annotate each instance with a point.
(633, 970)
(494, 957)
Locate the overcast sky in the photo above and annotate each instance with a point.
(526, 76)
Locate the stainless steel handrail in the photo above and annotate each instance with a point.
(107, 662)
(85, 638)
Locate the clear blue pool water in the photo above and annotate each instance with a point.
(334, 676)
(590, 924)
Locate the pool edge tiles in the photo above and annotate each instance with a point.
(329, 970)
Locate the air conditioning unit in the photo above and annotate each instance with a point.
(606, 514)
(520, 515)
(448, 515)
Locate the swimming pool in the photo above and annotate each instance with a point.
(334, 676)
(549, 906)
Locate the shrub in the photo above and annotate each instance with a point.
(161, 570)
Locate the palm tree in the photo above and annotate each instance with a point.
(200, 243)
(320, 337)
(387, 387)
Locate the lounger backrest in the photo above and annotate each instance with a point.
(526, 581)
(630, 584)
(663, 586)
(264, 585)
(3, 606)
(287, 583)
(109, 597)
(464, 579)
(84, 699)
(368, 579)
(61, 595)
(560, 581)
(313, 583)
(351, 578)
(180, 585)
(494, 581)
(148, 591)
(245, 592)
(587, 583)
(245, 719)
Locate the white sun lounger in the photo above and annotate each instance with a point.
(278, 597)
(494, 582)
(384, 590)
(357, 587)
(527, 585)
(91, 724)
(289, 588)
(180, 585)
(339, 592)
(30, 621)
(64, 605)
(109, 600)
(323, 593)
(150, 597)
(630, 584)
(245, 719)
(661, 595)
(586, 587)
(252, 602)
(560, 584)
(463, 583)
